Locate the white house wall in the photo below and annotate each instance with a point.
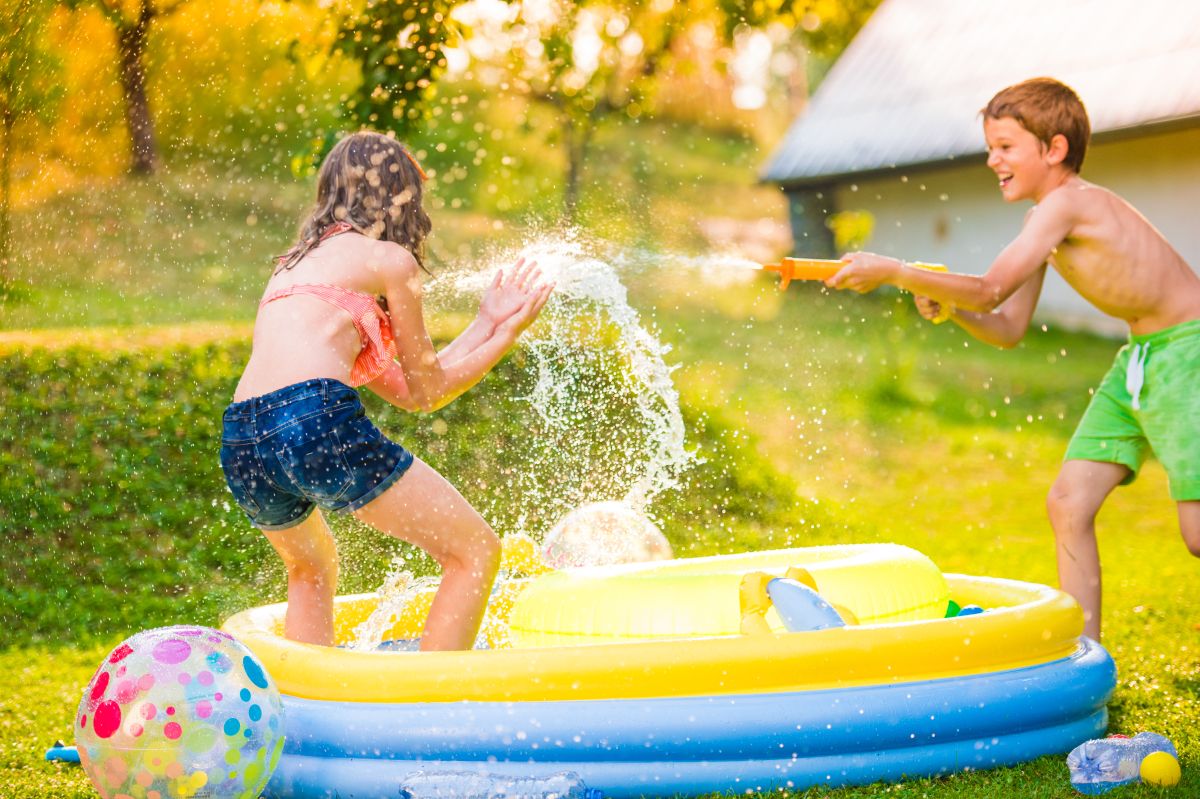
(954, 214)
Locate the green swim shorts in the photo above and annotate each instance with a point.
(1149, 401)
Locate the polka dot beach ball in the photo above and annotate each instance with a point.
(179, 712)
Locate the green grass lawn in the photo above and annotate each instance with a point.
(825, 419)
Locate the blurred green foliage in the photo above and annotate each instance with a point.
(109, 500)
(115, 514)
(397, 46)
(28, 89)
(196, 242)
(271, 83)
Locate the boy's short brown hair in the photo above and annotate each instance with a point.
(1045, 107)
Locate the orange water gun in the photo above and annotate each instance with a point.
(790, 269)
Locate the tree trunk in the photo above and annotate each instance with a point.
(577, 136)
(131, 41)
(6, 129)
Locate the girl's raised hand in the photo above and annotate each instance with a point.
(510, 291)
(524, 316)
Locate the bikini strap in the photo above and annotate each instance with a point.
(301, 250)
(335, 229)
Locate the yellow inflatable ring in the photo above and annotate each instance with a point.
(1026, 624)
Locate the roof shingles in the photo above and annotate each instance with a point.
(909, 87)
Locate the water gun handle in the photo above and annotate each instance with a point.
(946, 310)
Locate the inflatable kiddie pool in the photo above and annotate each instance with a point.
(681, 678)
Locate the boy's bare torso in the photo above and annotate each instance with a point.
(1120, 263)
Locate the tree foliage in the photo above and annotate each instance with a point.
(593, 59)
(590, 60)
(398, 45)
(587, 60)
(252, 86)
(28, 89)
(825, 26)
(132, 22)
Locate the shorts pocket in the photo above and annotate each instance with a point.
(236, 463)
(317, 467)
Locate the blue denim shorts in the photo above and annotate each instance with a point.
(305, 445)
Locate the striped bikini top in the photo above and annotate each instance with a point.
(373, 325)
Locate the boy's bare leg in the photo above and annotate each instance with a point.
(310, 556)
(1074, 500)
(424, 509)
(1189, 524)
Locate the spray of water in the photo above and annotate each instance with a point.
(713, 261)
(398, 590)
(712, 269)
(605, 423)
(591, 297)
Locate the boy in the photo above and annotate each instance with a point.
(1037, 134)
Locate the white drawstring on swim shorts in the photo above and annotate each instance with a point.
(1135, 373)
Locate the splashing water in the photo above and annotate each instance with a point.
(610, 425)
(398, 590)
(605, 423)
(713, 261)
(714, 269)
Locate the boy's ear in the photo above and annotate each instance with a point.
(1057, 149)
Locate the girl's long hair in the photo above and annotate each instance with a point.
(372, 183)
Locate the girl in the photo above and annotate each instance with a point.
(341, 310)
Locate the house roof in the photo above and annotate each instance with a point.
(909, 87)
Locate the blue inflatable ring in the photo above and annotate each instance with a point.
(689, 746)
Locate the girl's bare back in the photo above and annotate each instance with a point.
(301, 337)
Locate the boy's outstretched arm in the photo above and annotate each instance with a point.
(1045, 227)
(1003, 327)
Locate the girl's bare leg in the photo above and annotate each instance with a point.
(424, 509)
(310, 557)
(1074, 500)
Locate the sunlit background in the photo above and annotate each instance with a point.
(154, 156)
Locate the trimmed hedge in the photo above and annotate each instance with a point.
(115, 515)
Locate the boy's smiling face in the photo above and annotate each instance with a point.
(1019, 158)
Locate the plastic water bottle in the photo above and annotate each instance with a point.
(1102, 764)
(482, 785)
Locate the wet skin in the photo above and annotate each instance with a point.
(1099, 243)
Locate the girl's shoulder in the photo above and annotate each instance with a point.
(377, 254)
(354, 261)
(350, 261)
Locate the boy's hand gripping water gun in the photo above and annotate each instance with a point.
(790, 269)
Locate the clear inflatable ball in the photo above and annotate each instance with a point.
(603, 533)
(180, 712)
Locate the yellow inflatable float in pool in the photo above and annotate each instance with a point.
(867, 584)
(681, 677)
